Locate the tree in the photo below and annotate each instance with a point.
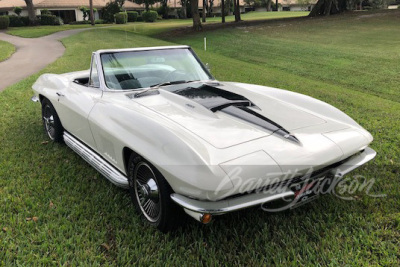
(120, 3)
(194, 4)
(184, 4)
(147, 3)
(236, 10)
(31, 12)
(268, 4)
(110, 10)
(164, 9)
(91, 12)
(204, 12)
(87, 11)
(223, 11)
(328, 7)
(228, 7)
(17, 10)
(210, 7)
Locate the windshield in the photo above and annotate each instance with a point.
(142, 69)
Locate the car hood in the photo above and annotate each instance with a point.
(200, 112)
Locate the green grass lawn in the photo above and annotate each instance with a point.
(165, 25)
(39, 31)
(148, 28)
(6, 50)
(348, 61)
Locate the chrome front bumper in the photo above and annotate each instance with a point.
(196, 208)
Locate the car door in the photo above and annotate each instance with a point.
(75, 104)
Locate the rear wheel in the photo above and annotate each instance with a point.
(51, 122)
(150, 194)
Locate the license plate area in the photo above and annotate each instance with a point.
(305, 192)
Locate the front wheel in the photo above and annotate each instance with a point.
(150, 194)
(51, 122)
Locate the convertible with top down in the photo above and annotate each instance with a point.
(155, 120)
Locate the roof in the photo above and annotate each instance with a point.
(10, 4)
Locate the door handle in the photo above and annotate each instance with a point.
(59, 94)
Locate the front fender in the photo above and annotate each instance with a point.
(182, 158)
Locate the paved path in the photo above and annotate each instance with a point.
(31, 55)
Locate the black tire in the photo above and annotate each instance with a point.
(51, 122)
(157, 210)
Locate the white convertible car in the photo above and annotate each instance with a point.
(154, 120)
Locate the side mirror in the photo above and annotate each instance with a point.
(208, 67)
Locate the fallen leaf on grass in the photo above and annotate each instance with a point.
(35, 219)
(4, 229)
(51, 205)
(105, 246)
(28, 219)
(45, 142)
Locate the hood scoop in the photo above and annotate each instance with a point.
(233, 104)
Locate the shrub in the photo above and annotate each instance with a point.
(17, 10)
(149, 16)
(99, 21)
(163, 10)
(139, 19)
(79, 22)
(16, 21)
(45, 12)
(121, 18)
(47, 20)
(85, 11)
(132, 16)
(4, 22)
(110, 10)
(58, 21)
(25, 20)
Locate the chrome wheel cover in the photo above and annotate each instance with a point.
(147, 192)
(48, 119)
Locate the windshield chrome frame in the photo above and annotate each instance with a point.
(100, 70)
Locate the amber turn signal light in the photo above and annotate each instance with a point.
(206, 218)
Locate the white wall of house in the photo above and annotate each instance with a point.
(298, 8)
(23, 13)
(217, 9)
(78, 13)
(264, 9)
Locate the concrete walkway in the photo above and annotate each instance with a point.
(31, 55)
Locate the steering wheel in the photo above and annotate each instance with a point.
(170, 75)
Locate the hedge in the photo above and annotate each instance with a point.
(4, 22)
(16, 21)
(79, 22)
(132, 16)
(48, 20)
(150, 16)
(121, 18)
(99, 21)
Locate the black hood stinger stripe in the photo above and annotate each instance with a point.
(236, 105)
